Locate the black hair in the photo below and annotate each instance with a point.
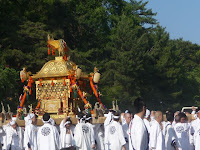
(177, 118)
(116, 114)
(87, 116)
(182, 115)
(68, 119)
(139, 104)
(170, 116)
(46, 117)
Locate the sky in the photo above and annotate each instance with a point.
(181, 18)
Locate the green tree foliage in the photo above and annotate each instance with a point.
(121, 38)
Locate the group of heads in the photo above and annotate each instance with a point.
(141, 109)
(29, 119)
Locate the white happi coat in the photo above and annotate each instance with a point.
(182, 132)
(14, 138)
(30, 137)
(194, 126)
(114, 136)
(170, 137)
(157, 141)
(67, 140)
(48, 137)
(147, 124)
(99, 136)
(125, 128)
(197, 139)
(83, 137)
(138, 136)
(5, 127)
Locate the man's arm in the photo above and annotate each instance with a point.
(153, 137)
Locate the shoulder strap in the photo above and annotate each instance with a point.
(130, 134)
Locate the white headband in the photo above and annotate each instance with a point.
(126, 111)
(46, 121)
(88, 118)
(31, 115)
(12, 122)
(116, 117)
(67, 122)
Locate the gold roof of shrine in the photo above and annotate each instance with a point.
(55, 68)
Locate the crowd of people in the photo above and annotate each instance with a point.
(144, 130)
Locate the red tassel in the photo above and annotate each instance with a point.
(23, 100)
(40, 82)
(22, 80)
(65, 48)
(52, 83)
(30, 91)
(64, 83)
(65, 57)
(49, 53)
(53, 52)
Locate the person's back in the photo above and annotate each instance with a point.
(30, 134)
(157, 141)
(197, 139)
(170, 135)
(182, 132)
(99, 136)
(30, 137)
(48, 136)
(138, 136)
(114, 137)
(82, 137)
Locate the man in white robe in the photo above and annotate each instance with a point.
(170, 135)
(83, 136)
(48, 136)
(88, 121)
(30, 134)
(125, 127)
(157, 141)
(146, 120)
(182, 131)
(138, 136)
(99, 136)
(114, 136)
(14, 137)
(2, 134)
(5, 127)
(66, 134)
(195, 123)
(197, 139)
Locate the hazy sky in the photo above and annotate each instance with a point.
(180, 17)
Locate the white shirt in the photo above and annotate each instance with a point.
(83, 136)
(170, 136)
(67, 140)
(14, 138)
(125, 128)
(157, 140)
(114, 136)
(182, 132)
(48, 138)
(147, 124)
(30, 136)
(99, 136)
(138, 134)
(197, 140)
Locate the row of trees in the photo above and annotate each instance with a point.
(121, 38)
